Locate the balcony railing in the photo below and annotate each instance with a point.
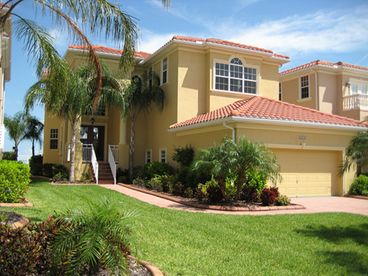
(355, 102)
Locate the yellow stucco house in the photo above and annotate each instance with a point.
(214, 89)
(337, 88)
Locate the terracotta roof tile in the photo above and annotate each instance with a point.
(336, 65)
(109, 50)
(264, 108)
(228, 43)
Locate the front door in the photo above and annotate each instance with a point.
(94, 135)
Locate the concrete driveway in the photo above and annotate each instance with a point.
(333, 204)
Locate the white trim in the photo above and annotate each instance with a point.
(300, 88)
(145, 156)
(162, 71)
(270, 122)
(159, 155)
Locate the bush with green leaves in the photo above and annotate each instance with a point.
(210, 191)
(359, 186)
(139, 182)
(176, 188)
(36, 165)
(94, 239)
(282, 200)
(14, 181)
(157, 168)
(184, 155)
(9, 155)
(161, 183)
(269, 196)
(50, 170)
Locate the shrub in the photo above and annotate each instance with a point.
(122, 175)
(359, 186)
(184, 156)
(35, 164)
(9, 155)
(139, 182)
(60, 177)
(188, 192)
(230, 189)
(138, 172)
(14, 181)
(210, 191)
(282, 200)
(50, 170)
(157, 168)
(176, 188)
(255, 182)
(269, 196)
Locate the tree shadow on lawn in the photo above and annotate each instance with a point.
(352, 261)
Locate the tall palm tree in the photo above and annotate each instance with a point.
(16, 127)
(97, 16)
(70, 96)
(34, 129)
(137, 98)
(356, 152)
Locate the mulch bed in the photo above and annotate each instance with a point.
(12, 219)
(23, 203)
(359, 197)
(235, 207)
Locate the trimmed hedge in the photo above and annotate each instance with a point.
(359, 186)
(14, 181)
(35, 164)
(9, 155)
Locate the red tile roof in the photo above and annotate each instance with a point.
(336, 65)
(257, 107)
(109, 50)
(227, 43)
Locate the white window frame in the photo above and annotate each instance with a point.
(162, 71)
(300, 88)
(159, 155)
(357, 82)
(146, 156)
(54, 138)
(245, 64)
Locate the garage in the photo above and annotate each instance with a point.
(308, 172)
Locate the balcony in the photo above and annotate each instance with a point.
(357, 101)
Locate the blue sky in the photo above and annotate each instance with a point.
(304, 30)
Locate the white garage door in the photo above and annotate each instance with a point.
(308, 172)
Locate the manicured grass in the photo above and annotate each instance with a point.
(184, 243)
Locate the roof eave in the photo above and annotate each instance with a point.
(102, 54)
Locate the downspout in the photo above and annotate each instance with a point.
(233, 131)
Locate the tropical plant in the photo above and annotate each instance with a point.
(359, 186)
(16, 127)
(98, 16)
(356, 152)
(34, 129)
(138, 98)
(230, 160)
(184, 155)
(70, 96)
(93, 239)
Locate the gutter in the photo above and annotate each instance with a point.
(238, 119)
(233, 131)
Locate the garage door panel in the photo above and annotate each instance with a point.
(307, 173)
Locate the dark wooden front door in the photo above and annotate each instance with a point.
(94, 135)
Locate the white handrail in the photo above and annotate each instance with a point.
(356, 101)
(94, 163)
(112, 162)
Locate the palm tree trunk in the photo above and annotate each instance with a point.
(33, 147)
(16, 151)
(72, 151)
(132, 145)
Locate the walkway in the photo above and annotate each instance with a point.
(312, 204)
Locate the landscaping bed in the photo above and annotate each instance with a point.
(233, 206)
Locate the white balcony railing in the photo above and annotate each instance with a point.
(357, 101)
(112, 158)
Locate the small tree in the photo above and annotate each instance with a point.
(34, 129)
(16, 127)
(356, 152)
(137, 98)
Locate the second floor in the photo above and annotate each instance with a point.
(336, 88)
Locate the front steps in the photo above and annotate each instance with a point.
(104, 173)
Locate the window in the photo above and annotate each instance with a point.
(304, 87)
(163, 155)
(357, 88)
(54, 135)
(235, 77)
(164, 68)
(280, 91)
(148, 156)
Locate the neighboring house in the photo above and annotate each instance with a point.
(214, 89)
(5, 48)
(338, 88)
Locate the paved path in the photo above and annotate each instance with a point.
(312, 204)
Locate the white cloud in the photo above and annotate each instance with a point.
(61, 39)
(150, 42)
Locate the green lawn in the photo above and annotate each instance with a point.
(183, 243)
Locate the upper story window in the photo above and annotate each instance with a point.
(357, 88)
(235, 77)
(54, 136)
(280, 91)
(164, 70)
(304, 87)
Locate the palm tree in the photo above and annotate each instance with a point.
(16, 127)
(70, 96)
(98, 16)
(34, 129)
(137, 98)
(356, 152)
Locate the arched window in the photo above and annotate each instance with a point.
(235, 77)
